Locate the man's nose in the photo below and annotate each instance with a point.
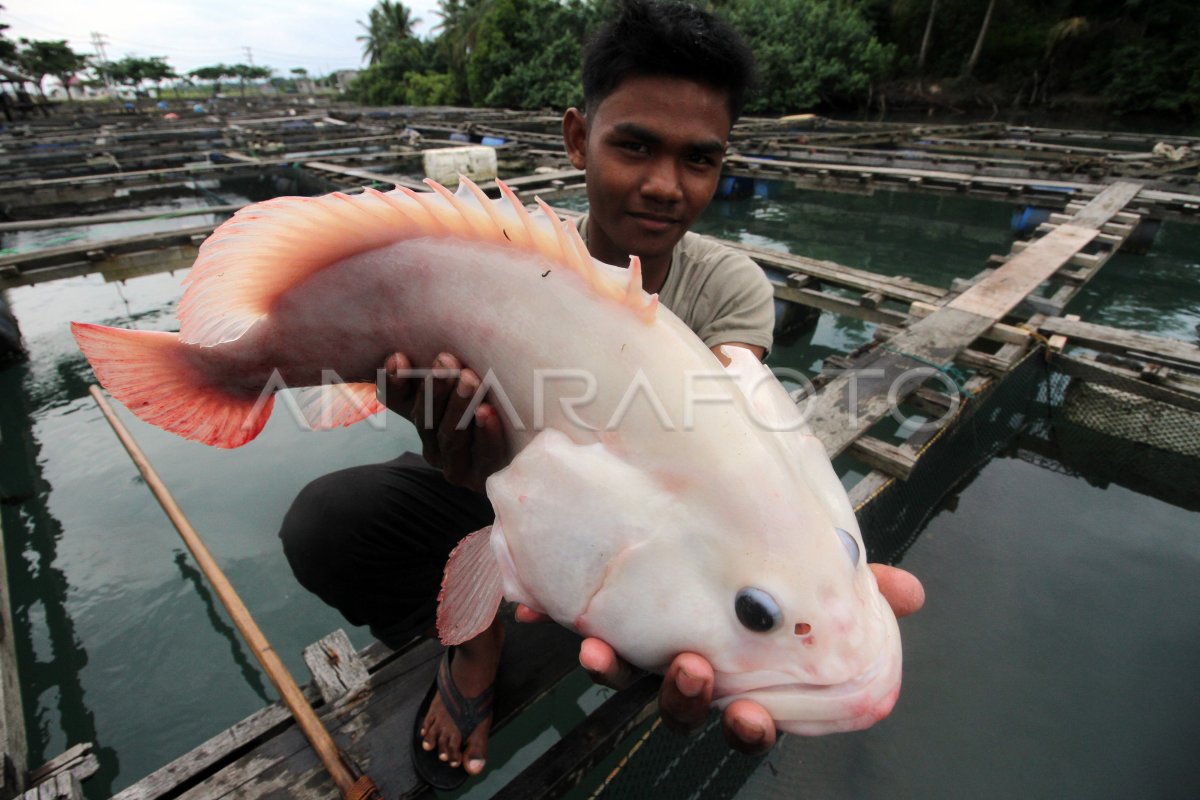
(662, 181)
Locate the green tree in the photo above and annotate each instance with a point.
(133, 71)
(8, 48)
(526, 53)
(248, 72)
(387, 22)
(810, 52)
(41, 58)
(215, 73)
(458, 37)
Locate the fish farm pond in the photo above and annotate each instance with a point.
(1055, 657)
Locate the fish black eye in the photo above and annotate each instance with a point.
(850, 543)
(757, 610)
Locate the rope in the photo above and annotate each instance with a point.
(363, 789)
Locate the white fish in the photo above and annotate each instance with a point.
(652, 499)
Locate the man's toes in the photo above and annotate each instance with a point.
(448, 746)
(475, 756)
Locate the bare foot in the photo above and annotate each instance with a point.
(473, 670)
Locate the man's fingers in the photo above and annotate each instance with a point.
(603, 664)
(901, 589)
(686, 693)
(398, 388)
(748, 727)
(429, 405)
(488, 451)
(524, 613)
(457, 429)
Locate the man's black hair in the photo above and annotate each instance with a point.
(667, 38)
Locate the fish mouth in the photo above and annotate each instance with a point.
(859, 682)
(813, 709)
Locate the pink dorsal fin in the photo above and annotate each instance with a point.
(646, 306)
(472, 589)
(523, 233)
(270, 247)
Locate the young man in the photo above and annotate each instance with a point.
(663, 84)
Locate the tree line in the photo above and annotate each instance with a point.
(1117, 56)
(39, 60)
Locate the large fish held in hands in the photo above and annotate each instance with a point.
(654, 498)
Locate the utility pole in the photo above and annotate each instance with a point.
(249, 56)
(98, 43)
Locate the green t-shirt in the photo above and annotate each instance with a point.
(718, 292)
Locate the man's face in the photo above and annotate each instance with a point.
(652, 151)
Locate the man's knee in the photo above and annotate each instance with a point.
(324, 524)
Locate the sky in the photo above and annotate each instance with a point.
(319, 35)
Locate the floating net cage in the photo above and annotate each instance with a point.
(1107, 434)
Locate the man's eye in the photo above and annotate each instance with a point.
(702, 160)
(633, 147)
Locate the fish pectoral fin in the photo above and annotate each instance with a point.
(472, 588)
(336, 405)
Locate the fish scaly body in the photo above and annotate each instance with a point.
(654, 498)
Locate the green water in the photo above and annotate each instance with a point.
(121, 644)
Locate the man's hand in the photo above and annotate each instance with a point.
(687, 689)
(466, 447)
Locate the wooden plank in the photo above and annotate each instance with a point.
(73, 252)
(1116, 340)
(335, 666)
(854, 401)
(373, 726)
(79, 760)
(1178, 391)
(999, 332)
(104, 219)
(1102, 207)
(898, 288)
(206, 758)
(523, 182)
(997, 294)
(14, 751)
(883, 456)
(364, 175)
(838, 305)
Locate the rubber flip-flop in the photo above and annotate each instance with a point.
(466, 712)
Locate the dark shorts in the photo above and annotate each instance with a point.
(372, 542)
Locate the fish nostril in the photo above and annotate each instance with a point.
(803, 629)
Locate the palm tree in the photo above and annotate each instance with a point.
(387, 22)
(969, 67)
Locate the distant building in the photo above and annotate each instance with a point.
(344, 77)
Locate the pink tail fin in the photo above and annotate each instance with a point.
(149, 372)
(472, 589)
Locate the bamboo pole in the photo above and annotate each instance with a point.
(358, 787)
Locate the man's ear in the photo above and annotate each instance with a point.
(574, 126)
